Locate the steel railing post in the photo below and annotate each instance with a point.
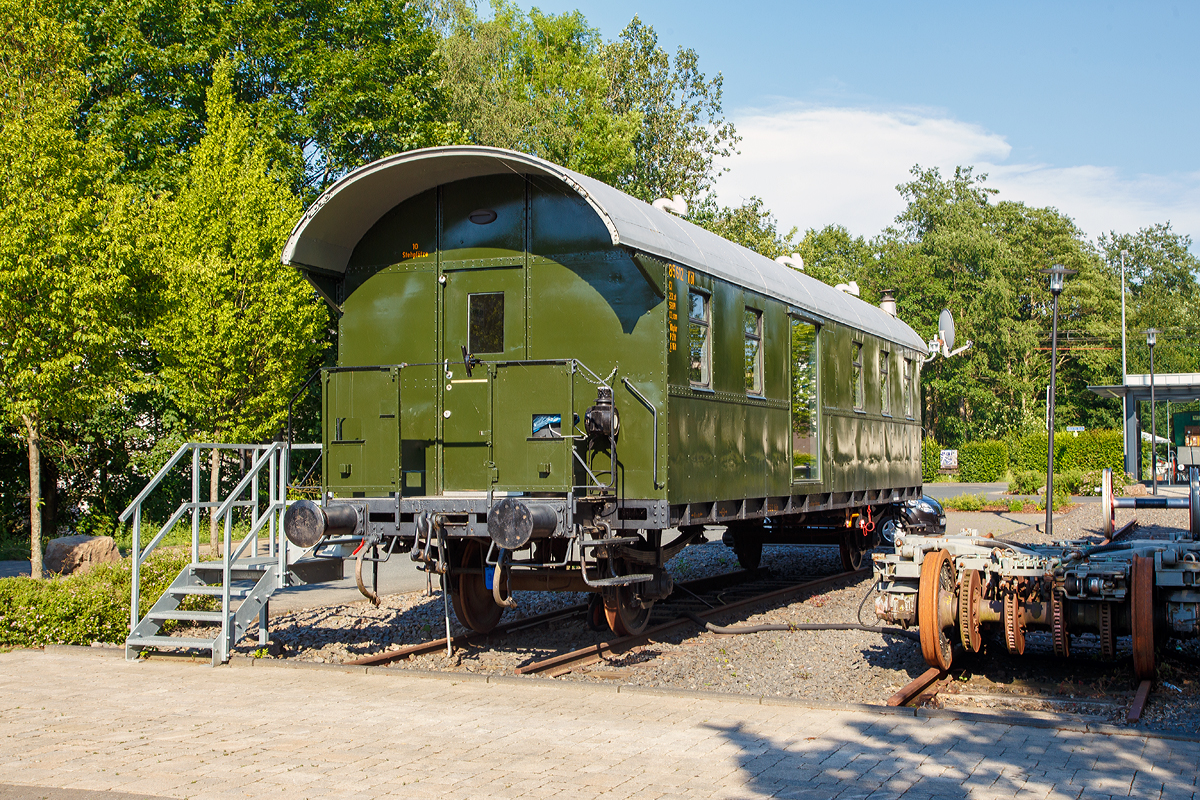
(195, 503)
(136, 563)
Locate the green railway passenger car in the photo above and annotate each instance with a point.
(543, 383)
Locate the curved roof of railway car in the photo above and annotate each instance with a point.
(326, 235)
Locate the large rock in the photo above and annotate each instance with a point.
(1135, 490)
(68, 554)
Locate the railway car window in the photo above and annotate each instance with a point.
(857, 374)
(699, 372)
(804, 401)
(485, 322)
(907, 388)
(885, 389)
(754, 355)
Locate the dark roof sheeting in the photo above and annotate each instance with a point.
(327, 233)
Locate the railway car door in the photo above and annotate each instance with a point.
(483, 260)
(485, 314)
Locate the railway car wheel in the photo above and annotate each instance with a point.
(626, 614)
(934, 604)
(852, 551)
(1014, 624)
(470, 594)
(970, 590)
(748, 552)
(595, 613)
(1141, 613)
(1058, 626)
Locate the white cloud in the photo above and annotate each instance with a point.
(820, 165)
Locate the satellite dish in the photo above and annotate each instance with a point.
(946, 328)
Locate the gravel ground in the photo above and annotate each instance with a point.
(857, 666)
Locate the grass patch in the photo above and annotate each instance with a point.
(979, 502)
(92, 606)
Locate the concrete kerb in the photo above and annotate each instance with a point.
(1009, 718)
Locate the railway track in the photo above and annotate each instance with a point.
(731, 592)
(932, 684)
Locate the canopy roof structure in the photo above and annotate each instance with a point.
(326, 235)
(1177, 387)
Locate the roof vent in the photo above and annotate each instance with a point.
(888, 302)
(848, 288)
(676, 205)
(794, 261)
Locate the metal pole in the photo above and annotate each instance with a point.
(1124, 371)
(1153, 428)
(1050, 425)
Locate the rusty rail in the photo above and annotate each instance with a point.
(915, 689)
(567, 662)
(1139, 702)
(433, 645)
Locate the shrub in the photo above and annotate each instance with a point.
(982, 462)
(91, 606)
(1026, 482)
(965, 502)
(931, 458)
(1015, 506)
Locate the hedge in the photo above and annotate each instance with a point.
(92, 606)
(982, 462)
(1090, 450)
(931, 459)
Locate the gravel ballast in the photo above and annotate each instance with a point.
(850, 666)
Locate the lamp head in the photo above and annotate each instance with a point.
(1151, 337)
(1058, 274)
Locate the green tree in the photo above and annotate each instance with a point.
(330, 85)
(535, 83)
(683, 128)
(70, 280)
(833, 256)
(241, 329)
(750, 225)
(955, 246)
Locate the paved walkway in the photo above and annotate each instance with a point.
(92, 722)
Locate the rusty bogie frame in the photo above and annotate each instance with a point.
(951, 587)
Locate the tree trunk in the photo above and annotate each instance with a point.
(214, 496)
(34, 439)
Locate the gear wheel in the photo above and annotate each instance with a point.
(1058, 625)
(969, 592)
(1108, 643)
(1014, 632)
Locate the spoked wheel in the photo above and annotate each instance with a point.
(1014, 624)
(748, 552)
(470, 593)
(852, 550)
(1141, 614)
(935, 608)
(970, 590)
(627, 616)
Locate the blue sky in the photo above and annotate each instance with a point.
(1091, 108)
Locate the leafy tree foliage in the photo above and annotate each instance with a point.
(241, 329)
(683, 128)
(70, 283)
(956, 247)
(535, 83)
(331, 85)
(750, 225)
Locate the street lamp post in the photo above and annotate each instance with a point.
(1151, 338)
(1124, 370)
(1057, 274)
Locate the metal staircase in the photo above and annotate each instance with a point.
(243, 580)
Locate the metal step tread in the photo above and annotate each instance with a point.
(209, 590)
(194, 616)
(621, 580)
(257, 564)
(170, 641)
(615, 540)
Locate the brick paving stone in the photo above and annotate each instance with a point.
(181, 730)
